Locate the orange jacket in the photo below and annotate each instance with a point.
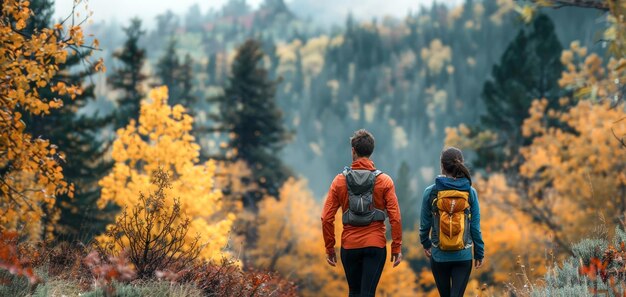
(372, 235)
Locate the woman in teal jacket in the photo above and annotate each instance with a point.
(452, 269)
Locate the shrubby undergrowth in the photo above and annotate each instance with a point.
(597, 268)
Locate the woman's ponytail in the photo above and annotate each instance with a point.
(452, 163)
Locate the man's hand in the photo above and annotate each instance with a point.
(478, 263)
(428, 253)
(396, 259)
(331, 259)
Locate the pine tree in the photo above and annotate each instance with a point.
(186, 96)
(78, 137)
(529, 69)
(128, 77)
(406, 198)
(177, 76)
(249, 111)
(167, 71)
(41, 19)
(212, 69)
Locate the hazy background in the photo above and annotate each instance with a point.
(404, 69)
(322, 11)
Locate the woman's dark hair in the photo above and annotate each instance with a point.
(452, 163)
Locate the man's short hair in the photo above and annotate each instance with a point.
(363, 143)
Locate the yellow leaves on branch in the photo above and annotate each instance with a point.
(589, 78)
(30, 177)
(162, 139)
(464, 138)
(290, 242)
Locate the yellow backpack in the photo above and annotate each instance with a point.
(451, 219)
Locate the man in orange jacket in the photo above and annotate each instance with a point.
(366, 197)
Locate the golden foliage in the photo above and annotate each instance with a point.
(576, 170)
(290, 242)
(397, 281)
(30, 176)
(464, 138)
(162, 139)
(508, 232)
(616, 32)
(588, 77)
(436, 56)
(311, 55)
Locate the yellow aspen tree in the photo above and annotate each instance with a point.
(513, 240)
(30, 175)
(161, 139)
(576, 171)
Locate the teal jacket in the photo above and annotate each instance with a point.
(426, 222)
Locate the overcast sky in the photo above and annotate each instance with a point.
(122, 10)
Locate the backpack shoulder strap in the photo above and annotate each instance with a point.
(468, 210)
(346, 170)
(376, 173)
(432, 196)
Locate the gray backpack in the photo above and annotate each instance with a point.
(361, 210)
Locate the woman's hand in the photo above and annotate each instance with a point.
(428, 253)
(478, 263)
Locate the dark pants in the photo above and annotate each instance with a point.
(451, 277)
(363, 268)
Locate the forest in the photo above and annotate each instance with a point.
(191, 155)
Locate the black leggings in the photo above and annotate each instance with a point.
(363, 268)
(451, 277)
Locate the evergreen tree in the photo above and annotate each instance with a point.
(529, 69)
(235, 8)
(406, 198)
(248, 110)
(41, 19)
(212, 69)
(177, 76)
(186, 96)
(194, 20)
(128, 77)
(298, 77)
(167, 23)
(167, 66)
(78, 137)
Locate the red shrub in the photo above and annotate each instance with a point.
(10, 257)
(610, 268)
(227, 279)
(114, 268)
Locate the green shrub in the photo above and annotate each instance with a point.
(13, 285)
(57, 287)
(597, 269)
(589, 248)
(156, 289)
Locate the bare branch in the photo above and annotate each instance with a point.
(596, 4)
(620, 139)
